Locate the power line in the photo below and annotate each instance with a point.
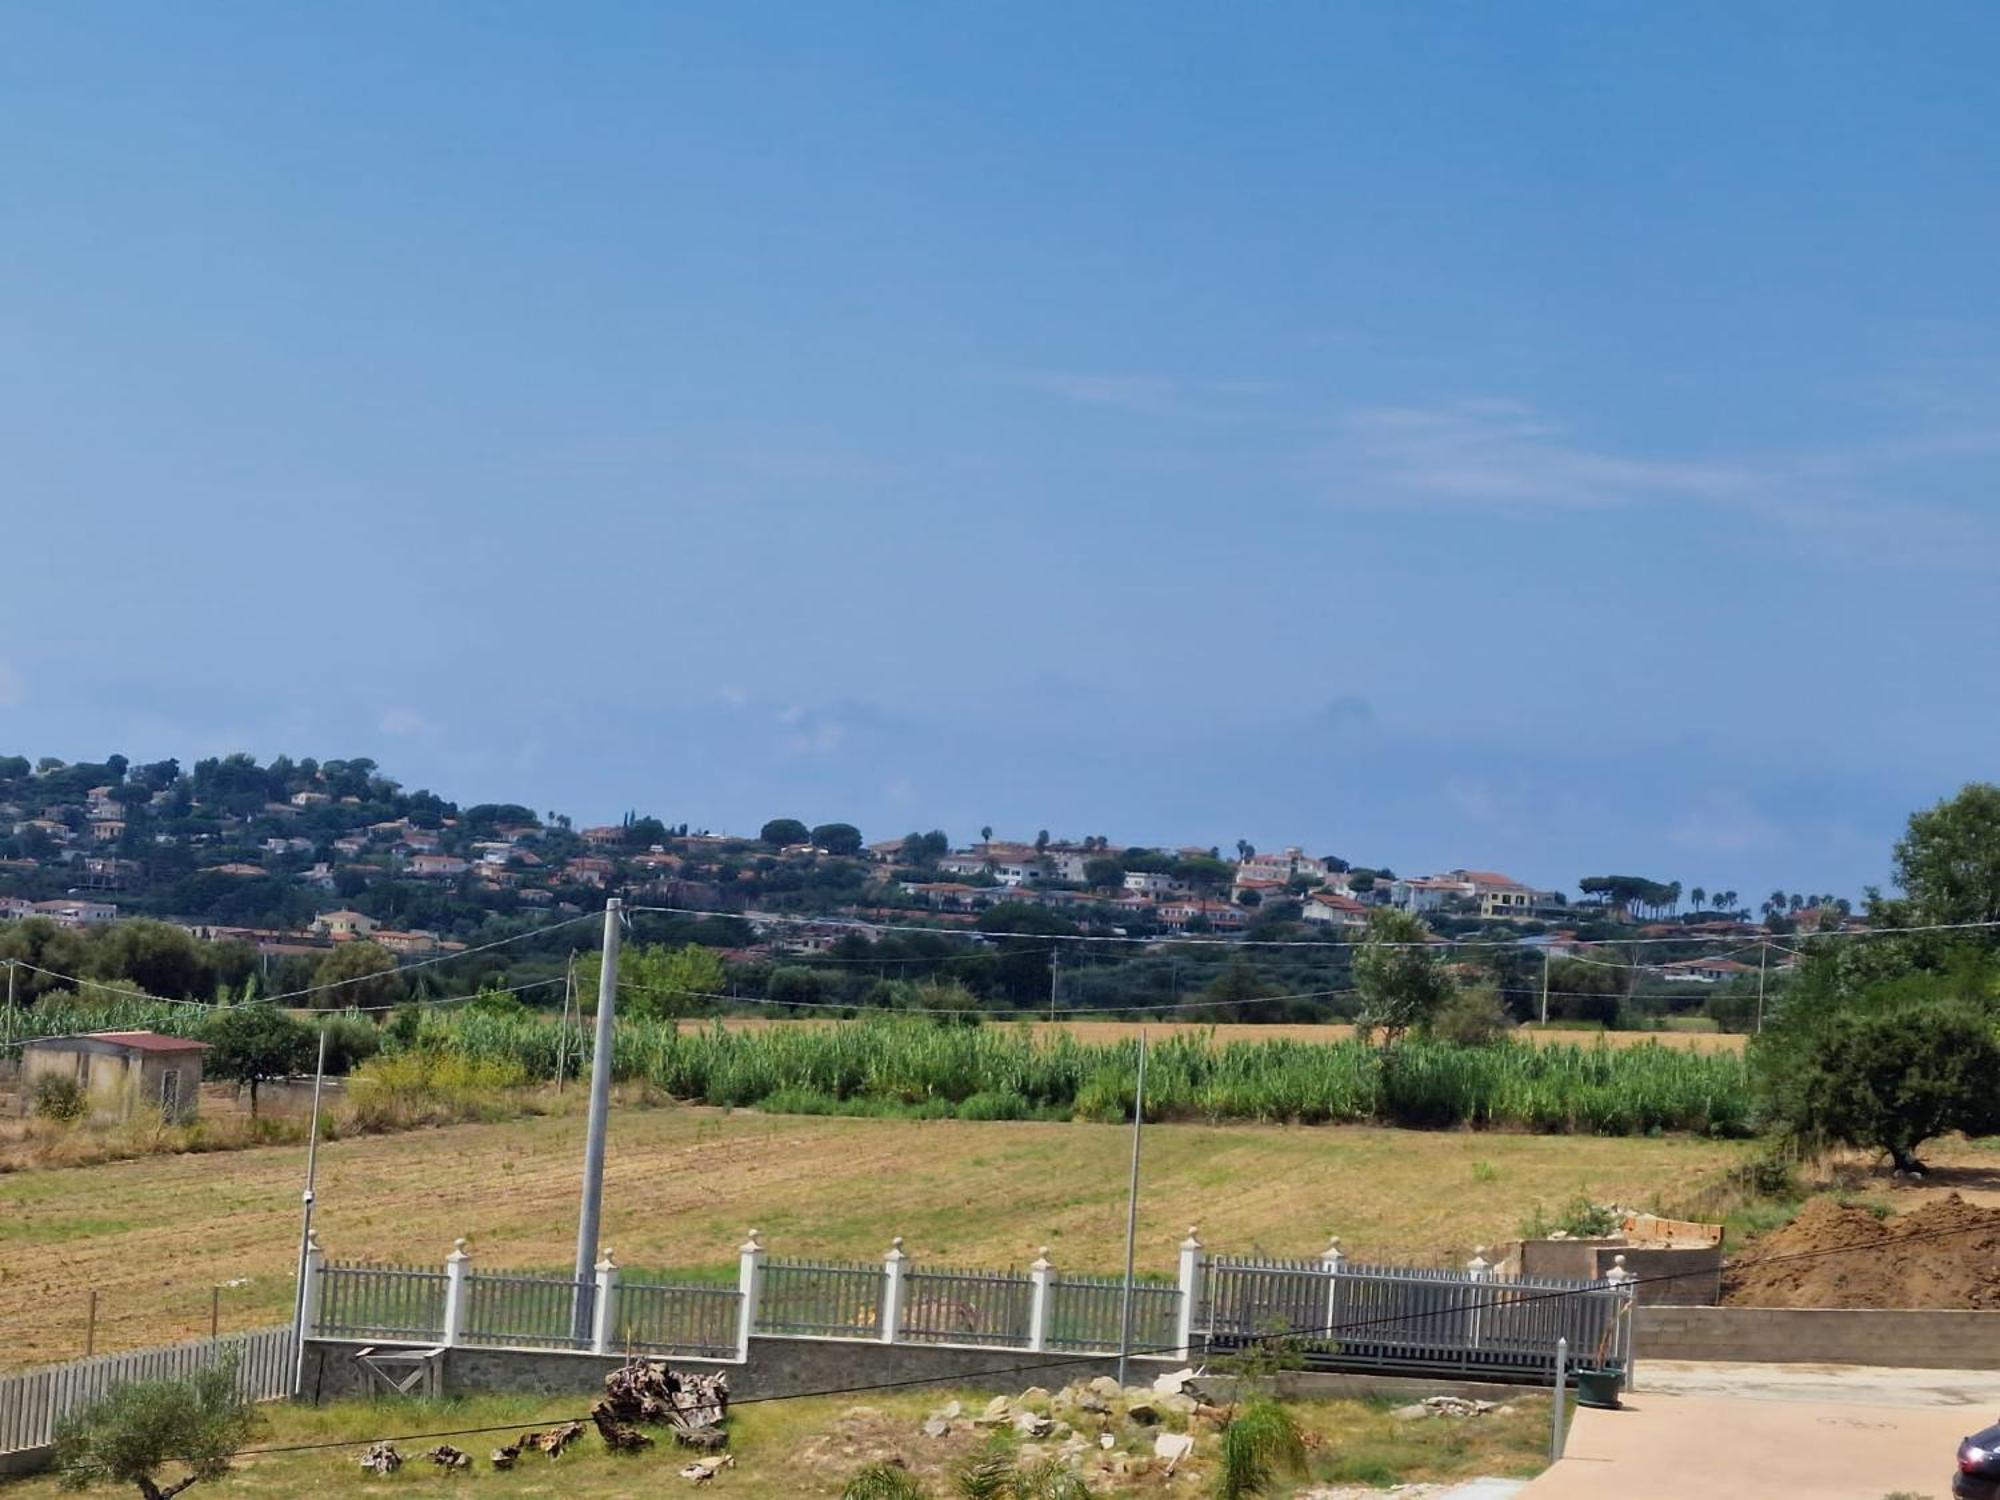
(860, 924)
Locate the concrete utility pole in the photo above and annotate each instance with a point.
(1132, 1213)
(10, 1002)
(1545, 986)
(600, 1112)
(1055, 967)
(1763, 951)
(299, 1330)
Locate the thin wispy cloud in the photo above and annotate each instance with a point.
(1872, 503)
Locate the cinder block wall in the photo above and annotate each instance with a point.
(1918, 1339)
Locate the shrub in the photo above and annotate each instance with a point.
(882, 1482)
(1261, 1443)
(1472, 1018)
(57, 1096)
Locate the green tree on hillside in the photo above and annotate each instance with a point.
(780, 832)
(1948, 863)
(838, 838)
(364, 975)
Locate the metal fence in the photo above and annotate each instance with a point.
(387, 1302)
(670, 1318)
(820, 1299)
(1088, 1312)
(33, 1402)
(538, 1311)
(945, 1305)
(1380, 1317)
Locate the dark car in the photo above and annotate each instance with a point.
(1978, 1476)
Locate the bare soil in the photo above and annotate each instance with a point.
(1943, 1254)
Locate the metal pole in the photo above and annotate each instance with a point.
(1556, 1412)
(600, 1111)
(214, 1311)
(306, 1223)
(1763, 951)
(1545, 986)
(90, 1326)
(1132, 1213)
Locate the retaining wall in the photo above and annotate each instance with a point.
(1918, 1339)
(776, 1367)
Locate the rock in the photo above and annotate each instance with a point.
(703, 1469)
(1033, 1424)
(447, 1457)
(382, 1458)
(1105, 1388)
(503, 1458)
(1092, 1402)
(1415, 1413)
(1144, 1413)
(1173, 1384)
(937, 1427)
(1215, 1416)
(1172, 1447)
(1061, 1430)
(1106, 1440)
(950, 1411)
(999, 1406)
(1177, 1402)
(1034, 1395)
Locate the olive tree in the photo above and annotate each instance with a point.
(143, 1428)
(1401, 982)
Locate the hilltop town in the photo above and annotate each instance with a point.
(296, 858)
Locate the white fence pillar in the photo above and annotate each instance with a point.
(309, 1293)
(894, 1266)
(1478, 1271)
(1621, 1315)
(604, 1314)
(1192, 1262)
(1331, 1261)
(457, 1266)
(1038, 1301)
(750, 1286)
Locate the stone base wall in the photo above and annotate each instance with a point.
(1919, 1339)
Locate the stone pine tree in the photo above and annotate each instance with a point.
(148, 1428)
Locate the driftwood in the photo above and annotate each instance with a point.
(618, 1436)
(554, 1440)
(382, 1458)
(694, 1407)
(447, 1457)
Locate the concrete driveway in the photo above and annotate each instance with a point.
(1742, 1432)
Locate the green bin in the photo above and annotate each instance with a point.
(1598, 1388)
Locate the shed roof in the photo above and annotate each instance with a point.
(148, 1041)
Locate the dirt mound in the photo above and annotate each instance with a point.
(1946, 1254)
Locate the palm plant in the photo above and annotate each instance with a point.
(883, 1482)
(1258, 1445)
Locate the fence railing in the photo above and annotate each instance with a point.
(1336, 1314)
(537, 1311)
(952, 1306)
(828, 1300)
(1088, 1313)
(388, 1302)
(698, 1321)
(34, 1402)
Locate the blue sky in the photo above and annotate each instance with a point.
(1516, 436)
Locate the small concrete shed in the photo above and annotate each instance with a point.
(121, 1070)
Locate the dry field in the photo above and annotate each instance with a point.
(153, 1235)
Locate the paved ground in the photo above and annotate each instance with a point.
(1751, 1432)
(1845, 1384)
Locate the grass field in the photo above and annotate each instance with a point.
(683, 1184)
(807, 1448)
